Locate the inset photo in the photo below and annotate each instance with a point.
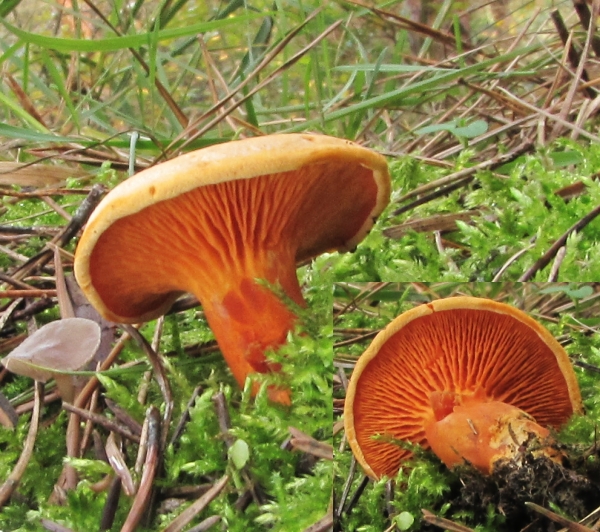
(466, 406)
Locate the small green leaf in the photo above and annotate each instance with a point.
(89, 467)
(572, 292)
(239, 453)
(580, 293)
(404, 520)
(472, 130)
(566, 158)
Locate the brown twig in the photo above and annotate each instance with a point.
(444, 523)
(196, 507)
(545, 259)
(543, 113)
(123, 416)
(408, 24)
(253, 487)
(573, 54)
(307, 444)
(160, 375)
(37, 194)
(437, 222)
(322, 525)
(37, 306)
(223, 418)
(560, 256)
(185, 416)
(14, 282)
(585, 17)
(29, 405)
(69, 231)
(369, 291)
(442, 191)
(18, 230)
(111, 505)
(32, 292)
(116, 459)
(465, 173)
(339, 510)
(8, 415)
(108, 424)
(355, 496)
(209, 522)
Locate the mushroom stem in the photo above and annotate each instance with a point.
(481, 433)
(247, 319)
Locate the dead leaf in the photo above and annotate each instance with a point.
(35, 175)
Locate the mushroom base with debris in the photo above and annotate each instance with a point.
(485, 433)
(571, 488)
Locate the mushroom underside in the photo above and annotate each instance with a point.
(452, 356)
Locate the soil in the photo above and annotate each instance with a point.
(573, 487)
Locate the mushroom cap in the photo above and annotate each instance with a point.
(54, 350)
(60, 346)
(314, 194)
(444, 353)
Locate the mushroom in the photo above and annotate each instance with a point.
(213, 221)
(54, 351)
(463, 376)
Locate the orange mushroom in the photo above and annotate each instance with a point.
(463, 376)
(213, 221)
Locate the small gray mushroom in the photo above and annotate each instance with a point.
(54, 350)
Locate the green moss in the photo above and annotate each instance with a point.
(518, 210)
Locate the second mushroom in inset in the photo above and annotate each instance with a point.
(470, 378)
(214, 221)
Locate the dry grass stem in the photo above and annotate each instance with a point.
(160, 375)
(570, 525)
(11, 483)
(151, 465)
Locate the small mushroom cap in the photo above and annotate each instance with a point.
(320, 192)
(445, 350)
(59, 346)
